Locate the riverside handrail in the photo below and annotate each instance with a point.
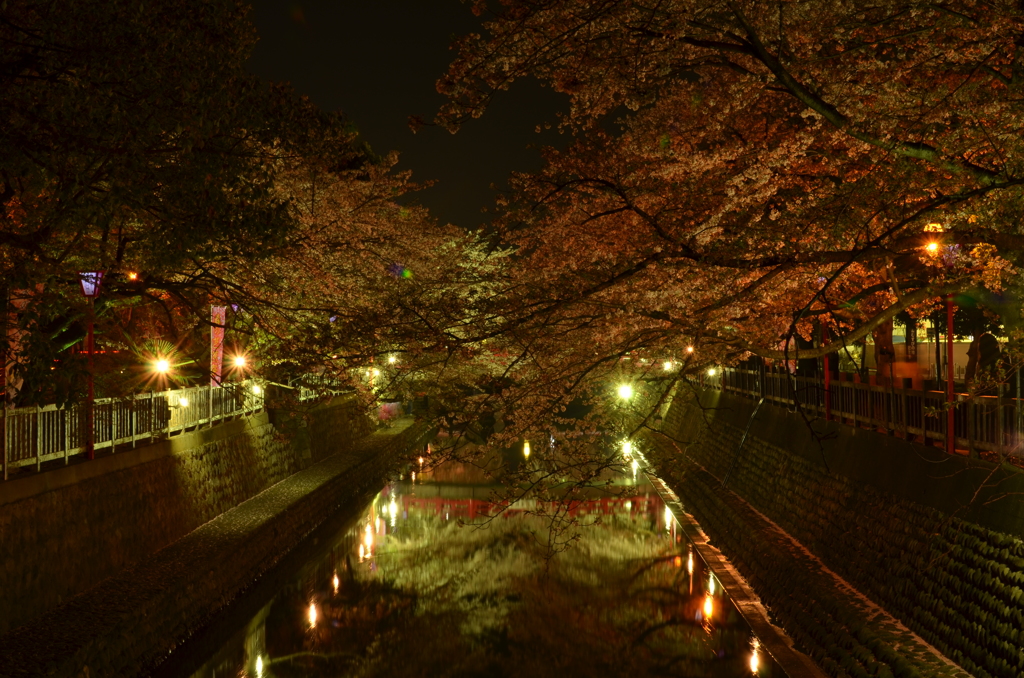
(33, 435)
(986, 422)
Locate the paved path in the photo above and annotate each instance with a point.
(128, 623)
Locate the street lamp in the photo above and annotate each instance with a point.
(90, 282)
(625, 391)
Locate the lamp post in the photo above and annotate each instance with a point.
(950, 426)
(91, 282)
(827, 375)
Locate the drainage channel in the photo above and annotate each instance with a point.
(427, 578)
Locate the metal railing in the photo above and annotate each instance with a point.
(986, 422)
(34, 435)
(316, 386)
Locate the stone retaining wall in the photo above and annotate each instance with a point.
(63, 531)
(129, 623)
(955, 583)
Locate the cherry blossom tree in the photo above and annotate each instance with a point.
(137, 143)
(743, 173)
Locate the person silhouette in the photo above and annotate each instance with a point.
(983, 361)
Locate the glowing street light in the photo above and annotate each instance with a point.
(667, 365)
(625, 391)
(162, 366)
(712, 371)
(932, 247)
(689, 349)
(239, 361)
(709, 607)
(627, 448)
(526, 449)
(392, 360)
(312, 615)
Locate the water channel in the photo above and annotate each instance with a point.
(422, 580)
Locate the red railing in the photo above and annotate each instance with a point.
(988, 422)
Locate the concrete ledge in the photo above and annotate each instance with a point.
(129, 623)
(774, 639)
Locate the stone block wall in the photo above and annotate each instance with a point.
(954, 582)
(129, 623)
(64, 531)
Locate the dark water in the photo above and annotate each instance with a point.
(425, 581)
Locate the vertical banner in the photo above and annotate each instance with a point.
(218, 316)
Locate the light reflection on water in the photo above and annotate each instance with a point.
(428, 582)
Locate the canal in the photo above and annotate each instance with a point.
(427, 578)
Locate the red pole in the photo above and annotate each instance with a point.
(828, 376)
(950, 431)
(90, 451)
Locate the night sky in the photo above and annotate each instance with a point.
(378, 60)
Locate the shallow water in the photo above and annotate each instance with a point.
(430, 579)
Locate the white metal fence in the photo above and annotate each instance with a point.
(33, 435)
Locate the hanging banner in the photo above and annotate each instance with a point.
(218, 316)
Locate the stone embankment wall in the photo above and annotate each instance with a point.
(885, 515)
(65, 530)
(128, 624)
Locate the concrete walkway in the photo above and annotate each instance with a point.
(127, 624)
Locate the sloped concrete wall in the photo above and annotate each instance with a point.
(129, 623)
(974, 490)
(934, 539)
(64, 531)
